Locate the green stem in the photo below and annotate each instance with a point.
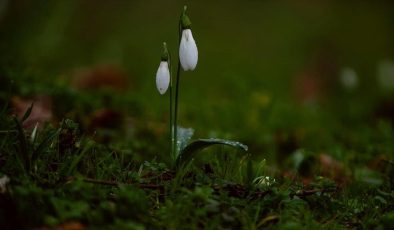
(171, 131)
(178, 73)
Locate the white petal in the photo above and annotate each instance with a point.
(163, 77)
(188, 53)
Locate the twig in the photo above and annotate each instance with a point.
(102, 182)
(304, 193)
(8, 131)
(117, 184)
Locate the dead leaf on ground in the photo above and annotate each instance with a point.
(332, 169)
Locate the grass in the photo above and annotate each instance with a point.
(66, 176)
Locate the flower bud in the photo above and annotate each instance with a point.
(163, 77)
(165, 55)
(185, 20)
(188, 53)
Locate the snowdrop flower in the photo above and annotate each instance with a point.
(188, 53)
(163, 77)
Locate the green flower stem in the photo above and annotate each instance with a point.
(174, 121)
(178, 73)
(171, 131)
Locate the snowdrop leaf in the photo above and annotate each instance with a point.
(191, 150)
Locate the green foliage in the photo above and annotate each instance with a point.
(187, 153)
(74, 178)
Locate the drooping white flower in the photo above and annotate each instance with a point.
(188, 53)
(163, 77)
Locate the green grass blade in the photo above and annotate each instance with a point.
(88, 145)
(190, 150)
(23, 148)
(44, 144)
(27, 113)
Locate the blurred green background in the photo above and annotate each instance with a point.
(274, 74)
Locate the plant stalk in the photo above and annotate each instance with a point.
(171, 131)
(178, 73)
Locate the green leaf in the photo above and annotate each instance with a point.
(23, 147)
(190, 150)
(44, 144)
(27, 113)
(34, 134)
(368, 176)
(88, 145)
(380, 199)
(249, 172)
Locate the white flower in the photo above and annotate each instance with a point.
(188, 53)
(163, 77)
